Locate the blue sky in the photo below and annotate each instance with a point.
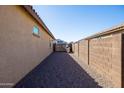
(72, 23)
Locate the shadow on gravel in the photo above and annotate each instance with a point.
(59, 70)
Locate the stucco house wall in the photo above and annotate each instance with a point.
(20, 50)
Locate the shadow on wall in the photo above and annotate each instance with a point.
(59, 70)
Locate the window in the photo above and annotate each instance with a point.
(35, 31)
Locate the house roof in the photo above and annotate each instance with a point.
(113, 29)
(34, 14)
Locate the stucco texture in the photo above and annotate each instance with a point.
(20, 50)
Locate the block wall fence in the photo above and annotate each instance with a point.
(104, 53)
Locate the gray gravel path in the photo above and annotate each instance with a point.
(97, 77)
(59, 70)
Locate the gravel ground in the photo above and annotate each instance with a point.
(97, 77)
(59, 70)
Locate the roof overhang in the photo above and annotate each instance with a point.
(108, 31)
(34, 14)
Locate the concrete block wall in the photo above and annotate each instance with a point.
(73, 47)
(60, 47)
(122, 65)
(105, 57)
(83, 51)
(76, 50)
(103, 54)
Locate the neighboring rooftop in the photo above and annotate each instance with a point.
(108, 31)
(59, 41)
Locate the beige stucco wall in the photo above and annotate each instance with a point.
(20, 51)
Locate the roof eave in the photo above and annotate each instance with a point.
(32, 12)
